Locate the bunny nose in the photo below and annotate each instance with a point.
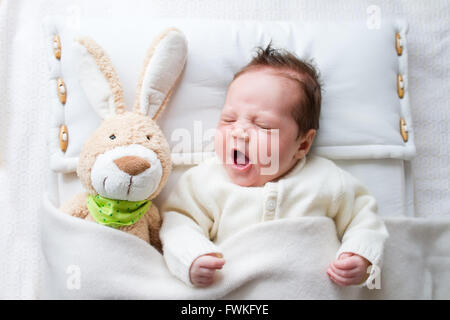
(132, 165)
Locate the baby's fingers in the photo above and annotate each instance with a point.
(345, 273)
(345, 255)
(340, 280)
(206, 272)
(211, 262)
(204, 281)
(346, 263)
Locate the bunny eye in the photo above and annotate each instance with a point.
(149, 137)
(112, 137)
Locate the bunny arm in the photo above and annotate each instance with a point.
(76, 207)
(147, 228)
(154, 225)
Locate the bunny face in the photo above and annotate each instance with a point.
(126, 158)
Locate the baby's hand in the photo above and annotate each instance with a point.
(349, 269)
(203, 269)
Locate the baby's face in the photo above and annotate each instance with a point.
(257, 136)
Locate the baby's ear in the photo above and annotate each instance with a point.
(163, 66)
(99, 79)
(305, 143)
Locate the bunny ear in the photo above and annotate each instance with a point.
(163, 65)
(99, 79)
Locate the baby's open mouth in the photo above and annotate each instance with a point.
(240, 160)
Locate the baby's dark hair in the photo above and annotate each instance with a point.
(307, 112)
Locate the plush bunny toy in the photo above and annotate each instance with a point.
(126, 162)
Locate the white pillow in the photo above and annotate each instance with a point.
(361, 110)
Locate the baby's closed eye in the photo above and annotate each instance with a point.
(227, 120)
(264, 126)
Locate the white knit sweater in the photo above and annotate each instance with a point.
(206, 208)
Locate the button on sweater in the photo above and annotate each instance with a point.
(206, 207)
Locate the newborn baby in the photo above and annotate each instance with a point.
(262, 172)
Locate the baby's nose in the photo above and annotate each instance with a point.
(132, 165)
(240, 133)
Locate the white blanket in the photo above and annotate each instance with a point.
(281, 259)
